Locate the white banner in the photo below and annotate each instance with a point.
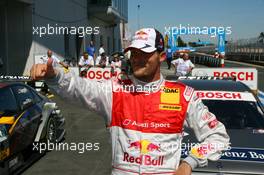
(96, 73)
(38, 59)
(249, 76)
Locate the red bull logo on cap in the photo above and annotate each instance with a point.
(145, 147)
(141, 35)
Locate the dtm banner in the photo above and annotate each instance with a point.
(96, 73)
(249, 76)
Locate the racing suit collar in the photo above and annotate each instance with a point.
(148, 86)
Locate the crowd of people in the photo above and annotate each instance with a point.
(89, 58)
(179, 61)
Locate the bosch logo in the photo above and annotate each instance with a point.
(248, 76)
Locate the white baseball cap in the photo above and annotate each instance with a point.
(147, 40)
(101, 51)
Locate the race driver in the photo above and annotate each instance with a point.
(146, 122)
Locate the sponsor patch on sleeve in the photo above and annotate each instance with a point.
(201, 151)
(212, 124)
(188, 93)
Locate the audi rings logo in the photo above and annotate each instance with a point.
(126, 122)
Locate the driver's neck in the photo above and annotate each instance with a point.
(149, 79)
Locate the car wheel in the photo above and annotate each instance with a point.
(51, 131)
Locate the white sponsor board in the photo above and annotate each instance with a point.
(249, 76)
(75, 70)
(225, 95)
(96, 73)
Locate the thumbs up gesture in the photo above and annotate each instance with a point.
(42, 71)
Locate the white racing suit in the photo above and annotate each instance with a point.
(146, 122)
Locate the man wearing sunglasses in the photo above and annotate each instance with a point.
(146, 125)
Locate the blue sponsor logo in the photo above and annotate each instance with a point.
(240, 154)
(244, 154)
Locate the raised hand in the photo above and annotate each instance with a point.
(42, 71)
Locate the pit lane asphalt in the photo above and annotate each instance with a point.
(83, 126)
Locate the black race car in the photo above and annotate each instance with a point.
(240, 110)
(26, 118)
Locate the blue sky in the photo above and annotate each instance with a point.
(245, 17)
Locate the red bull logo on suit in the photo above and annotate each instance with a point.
(144, 147)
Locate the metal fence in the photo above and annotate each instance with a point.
(248, 50)
(205, 60)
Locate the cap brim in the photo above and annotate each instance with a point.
(141, 46)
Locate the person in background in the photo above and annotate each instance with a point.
(101, 49)
(183, 66)
(85, 62)
(55, 60)
(216, 55)
(169, 56)
(116, 63)
(125, 65)
(102, 60)
(91, 50)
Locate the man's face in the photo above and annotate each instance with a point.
(116, 59)
(49, 53)
(185, 56)
(85, 56)
(144, 65)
